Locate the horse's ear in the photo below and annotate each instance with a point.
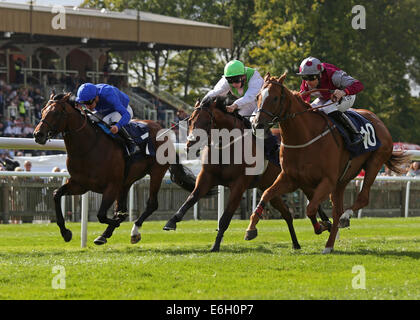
(52, 95)
(267, 77)
(283, 76)
(197, 103)
(66, 97)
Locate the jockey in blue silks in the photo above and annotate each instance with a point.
(112, 105)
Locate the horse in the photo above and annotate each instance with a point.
(313, 155)
(97, 162)
(212, 114)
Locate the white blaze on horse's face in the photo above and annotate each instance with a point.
(264, 95)
(191, 137)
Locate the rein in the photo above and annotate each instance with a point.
(293, 115)
(276, 118)
(54, 131)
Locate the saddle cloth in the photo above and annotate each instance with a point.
(370, 140)
(140, 134)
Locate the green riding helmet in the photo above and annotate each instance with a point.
(234, 68)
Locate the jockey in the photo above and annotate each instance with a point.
(244, 84)
(317, 75)
(112, 105)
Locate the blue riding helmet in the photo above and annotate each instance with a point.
(86, 92)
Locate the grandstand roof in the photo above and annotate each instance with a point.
(128, 30)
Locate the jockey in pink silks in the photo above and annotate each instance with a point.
(318, 75)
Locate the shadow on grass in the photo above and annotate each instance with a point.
(202, 250)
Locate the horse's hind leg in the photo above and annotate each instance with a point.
(69, 188)
(371, 170)
(156, 175)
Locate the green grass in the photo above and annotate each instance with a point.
(178, 265)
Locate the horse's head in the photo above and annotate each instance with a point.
(54, 118)
(200, 122)
(271, 102)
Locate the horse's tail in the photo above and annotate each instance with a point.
(397, 161)
(184, 177)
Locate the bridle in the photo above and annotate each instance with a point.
(276, 118)
(53, 131)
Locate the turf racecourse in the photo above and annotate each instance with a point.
(374, 259)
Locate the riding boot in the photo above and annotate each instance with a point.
(271, 148)
(354, 135)
(132, 147)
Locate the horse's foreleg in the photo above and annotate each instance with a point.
(324, 188)
(233, 204)
(120, 213)
(278, 203)
(203, 185)
(280, 186)
(69, 188)
(108, 199)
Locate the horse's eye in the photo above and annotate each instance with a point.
(276, 99)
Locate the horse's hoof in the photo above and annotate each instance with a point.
(100, 240)
(215, 249)
(296, 246)
(135, 239)
(67, 235)
(327, 250)
(170, 225)
(251, 234)
(344, 223)
(327, 225)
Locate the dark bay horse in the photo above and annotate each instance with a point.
(315, 162)
(212, 114)
(96, 162)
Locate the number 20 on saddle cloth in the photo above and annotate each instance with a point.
(140, 134)
(365, 127)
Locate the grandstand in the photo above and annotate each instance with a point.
(35, 58)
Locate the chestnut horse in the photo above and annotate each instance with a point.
(97, 162)
(212, 114)
(313, 156)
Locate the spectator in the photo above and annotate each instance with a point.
(27, 165)
(414, 169)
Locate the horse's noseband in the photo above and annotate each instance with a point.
(275, 118)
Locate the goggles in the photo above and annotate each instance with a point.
(310, 77)
(88, 102)
(235, 79)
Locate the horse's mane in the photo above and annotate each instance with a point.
(295, 94)
(71, 100)
(221, 103)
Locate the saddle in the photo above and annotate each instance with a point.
(138, 131)
(370, 142)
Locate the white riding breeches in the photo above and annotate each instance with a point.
(115, 116)
(345, 104)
